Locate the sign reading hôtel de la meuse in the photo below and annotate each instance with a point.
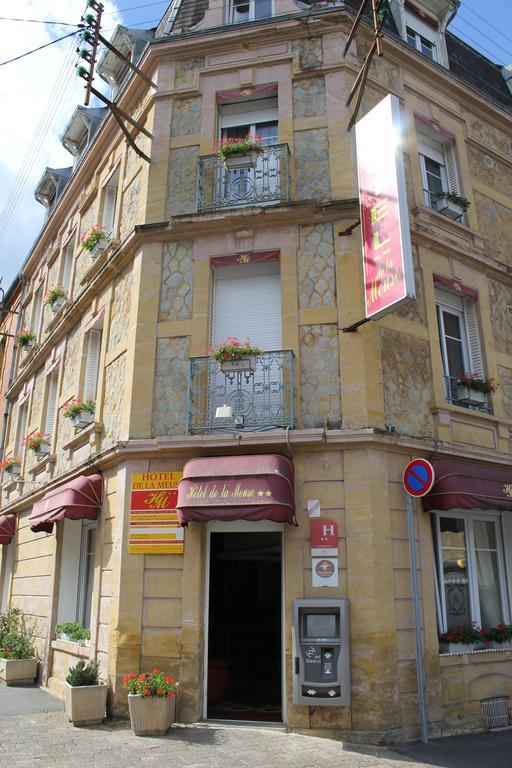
(154, 524)
(387, 255)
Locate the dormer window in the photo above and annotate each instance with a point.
(249, 10)
(424, 46)
(421, 35)
(130, 43)
(51, 186)
(81, 129)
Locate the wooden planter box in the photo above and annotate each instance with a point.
(82, 419)
(151, 715)
(239, 162)
(18, 671)
(243, 365)
(470, 396)
(85, 704)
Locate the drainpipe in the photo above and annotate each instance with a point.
(7, 407)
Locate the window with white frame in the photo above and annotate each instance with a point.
(21, 428)
(248, 10)
(109, 203)
(438, 169)
(471, 569)
(37, 311)
(421, 35)
(77, 572)
(50, 406)
(459, 337)
(66, 269)
(92, 363)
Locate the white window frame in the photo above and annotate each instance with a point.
(36, 316)
(50, 405)
(66, 269)
(469, 517)
(82, 606)
(110, 196)
(21, 427)
(94, 340)
(252, 11)
(442, 153)
(422, 31)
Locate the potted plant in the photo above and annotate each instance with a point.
(18, 665)
(462, 639)
(473, 389)
(26, 340)
(451, 205)
(500, 636)
(240, 153)
(95, 241)
(85, 697)
(12, 465)
(55, 298)
(73, 632)
(233, 355)
(81, 412)
(38, 443)
(152, 702)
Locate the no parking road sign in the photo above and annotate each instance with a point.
(419, 477)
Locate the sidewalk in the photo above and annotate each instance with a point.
(34, 731)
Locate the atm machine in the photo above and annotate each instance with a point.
(321, 661)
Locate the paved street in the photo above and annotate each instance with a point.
(34, 731)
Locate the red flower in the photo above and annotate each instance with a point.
(170, 695)
(142, 677)
(147, 692)
(170, 679)
(156, 671)
(159, 692)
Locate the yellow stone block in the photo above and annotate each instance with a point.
(162, 613)
(164, 643)
(163, 583)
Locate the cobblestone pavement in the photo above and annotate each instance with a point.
(48, 739)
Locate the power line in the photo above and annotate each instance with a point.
(463, 35)
(34, 50)
(136, 8)
(499, 31)
(497, 45)
(40, 21)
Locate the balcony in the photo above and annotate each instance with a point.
(268, 182)
(465, 397)
(260, 400)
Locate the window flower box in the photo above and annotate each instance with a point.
(55, 298)
(12, 466)
(58, 303)
(463, 639)
(460, 647)
(246, 364)
(506, 645)
(473, 389)
(95, 241)
(82, 419)
(38, 443)
(241, 162)
(236, 356)
(81, 413)
(453, 206)
(470, 396)
(99, 248)
(26, 340)
(238, 154)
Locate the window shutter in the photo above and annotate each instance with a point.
(36, 312)
(109, 207)
(451, 168)
(22, 426)
(475, 350)
(51, 403)
(211, 308)
(93, 364)
(249, 112)
(66, 269)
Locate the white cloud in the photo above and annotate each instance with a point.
(38, 95)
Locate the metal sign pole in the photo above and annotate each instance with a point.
(420, 667)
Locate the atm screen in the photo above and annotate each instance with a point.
(320, 625)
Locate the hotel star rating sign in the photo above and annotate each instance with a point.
(324, 553)
(419, 477)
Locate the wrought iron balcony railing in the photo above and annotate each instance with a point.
(260, 399)
(464, 396)
(268, 182)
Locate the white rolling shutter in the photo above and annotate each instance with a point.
(473, 335)
(93, 365)
(248, 112)
(451, 168)
(67, 267)
(109, 208)
(51, 403)
(248, 304)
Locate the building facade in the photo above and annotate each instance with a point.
(193, 253)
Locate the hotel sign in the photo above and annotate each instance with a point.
(387, 255)
(154, 524)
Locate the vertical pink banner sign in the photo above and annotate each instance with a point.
(387, 256)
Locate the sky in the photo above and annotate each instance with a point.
(39, 93)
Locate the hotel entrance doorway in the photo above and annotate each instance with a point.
(244, 680)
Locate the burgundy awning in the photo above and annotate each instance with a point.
(80, 499)
(237, 488)
(7, 528)
(461, 485)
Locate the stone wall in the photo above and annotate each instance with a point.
(171, 387)
(177, 281)
(182, 184)
(313, 181)
(72, 360)
(186, 71)
(115, 384)
(316, 269)
(319, 377)
(120, 311)
(309, 97)
(495, 223)
(415, 310)
(186, 117)
(131, 207)
(490, 170)
(500, 299)
(505, 382)
(490, 135)
(407, 382)
(309, 52)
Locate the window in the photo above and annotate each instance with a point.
(51, 402)
(248, 10)
(470, 570)
(67, 267)
(37, 311)
(92, 365)
(459, 338)
(21, 428)
(421, 35)
(77, 572)
(438, 169)
(109, 204)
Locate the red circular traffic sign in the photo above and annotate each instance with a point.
(419, 477)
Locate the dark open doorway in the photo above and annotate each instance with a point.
(244, 633)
